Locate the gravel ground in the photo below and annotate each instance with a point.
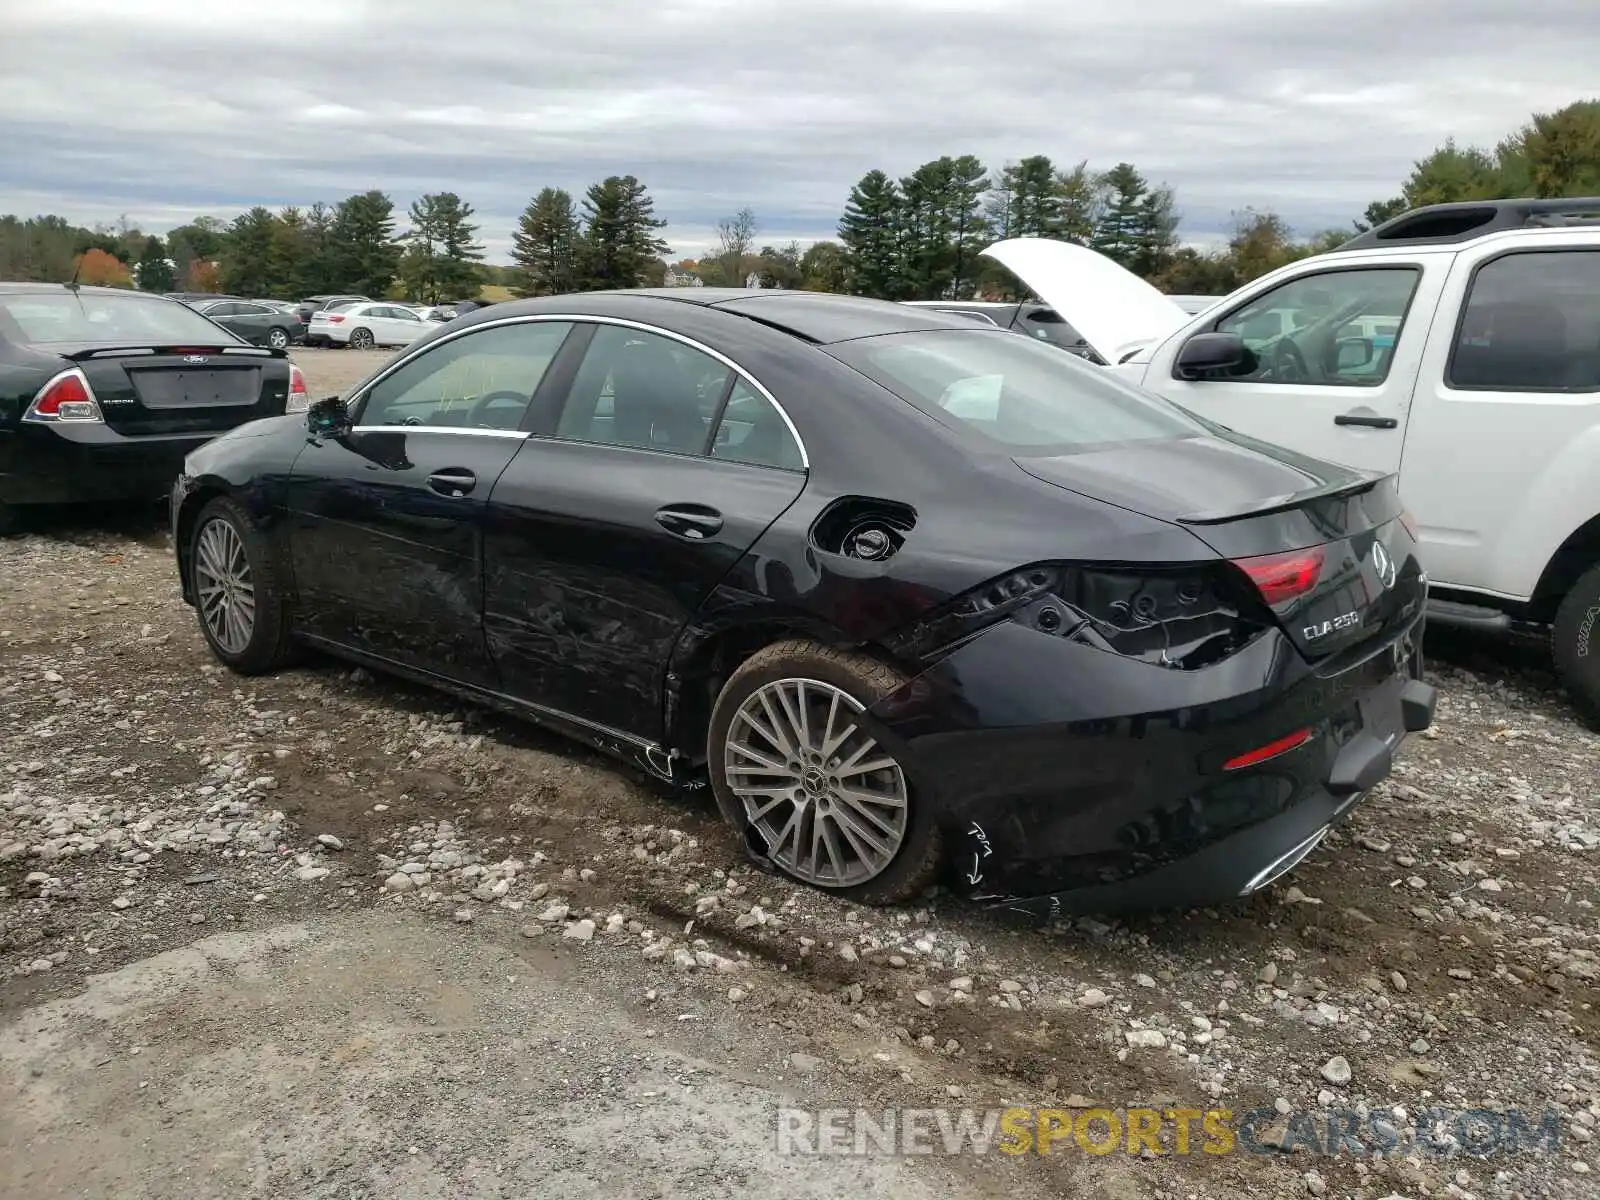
(368, 857)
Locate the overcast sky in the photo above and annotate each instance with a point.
(164, 109)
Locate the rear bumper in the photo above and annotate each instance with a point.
(1072, 780)
(1249, 860)
(72, 465)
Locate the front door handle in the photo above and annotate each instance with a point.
(454, 482)
(693, 521)
(1366, 420)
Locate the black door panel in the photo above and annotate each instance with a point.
(587, 588)
(388, 561)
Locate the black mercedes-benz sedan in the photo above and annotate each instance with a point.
(911, 594)
(103, 391)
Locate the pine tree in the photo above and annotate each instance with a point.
(620, 239)
(1117, 233)
(366, 254)
(872, 231)
(247, 261)
(287, 253)
(318, 273)
(545, 245)
(156, 273)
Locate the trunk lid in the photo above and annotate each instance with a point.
(1325, 547)
(146, 390)
(1114, 310)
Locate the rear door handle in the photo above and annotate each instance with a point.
(693, 521)
(453, 481)
(1366, 421)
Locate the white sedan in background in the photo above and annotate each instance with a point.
(366, 324)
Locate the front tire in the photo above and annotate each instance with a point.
(792, 763)
(239, 594)
(10, 520)
(362, 339)
(278, 338)
(1575, 644)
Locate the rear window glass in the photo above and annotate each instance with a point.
(1013, 390)
(129, 319)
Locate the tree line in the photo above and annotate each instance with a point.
(918, 236)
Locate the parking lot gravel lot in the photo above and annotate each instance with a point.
(329, 934)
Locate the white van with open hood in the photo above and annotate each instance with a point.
(1457, 346)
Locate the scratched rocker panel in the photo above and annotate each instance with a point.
(920, 601)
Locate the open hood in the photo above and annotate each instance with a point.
(1114, 310)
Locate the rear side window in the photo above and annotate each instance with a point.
(1531, 324)
(131, 319)
(1013, 390)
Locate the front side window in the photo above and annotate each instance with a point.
(1322, 329)
(1531, 324)
(641, 389)
(482, 380)
(1013, 390)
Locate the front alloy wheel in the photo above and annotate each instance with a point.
(224, 587)
(233, 577)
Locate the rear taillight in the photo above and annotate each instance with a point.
(1283, 577)
(335, 318)
(1410, 523)
(1179, 617)
(299, 398)
(66, 398)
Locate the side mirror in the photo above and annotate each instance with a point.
(1210, 352)
(1354, 352)
(328, 418)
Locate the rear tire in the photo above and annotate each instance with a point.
(1575, 644)
(278, 338)
(362, 339)
(880, 850)
(10, 520)
(240, 599)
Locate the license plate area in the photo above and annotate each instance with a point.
(216, 387)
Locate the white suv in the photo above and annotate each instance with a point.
(1456, 345)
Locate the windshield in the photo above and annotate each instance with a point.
(132, 319)
(1016, 391)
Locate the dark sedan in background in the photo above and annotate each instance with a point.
(103, 391)
(910, 594)
(256, 322)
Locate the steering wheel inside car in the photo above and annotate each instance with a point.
(481, 405)
(1287, 363)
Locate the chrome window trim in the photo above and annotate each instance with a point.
(457, 429)
(360, 396)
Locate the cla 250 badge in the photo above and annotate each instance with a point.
(1323, 628)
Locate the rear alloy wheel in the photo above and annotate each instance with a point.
(1575, 644)
(277, 338)
(238, 598)
(362, 339)
(793, 758)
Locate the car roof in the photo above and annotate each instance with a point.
(40, 289)
(818, 317)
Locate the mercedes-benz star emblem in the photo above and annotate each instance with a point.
(1383, 565)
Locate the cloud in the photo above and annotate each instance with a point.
(162, 109)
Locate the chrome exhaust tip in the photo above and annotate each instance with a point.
(1284, 863)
